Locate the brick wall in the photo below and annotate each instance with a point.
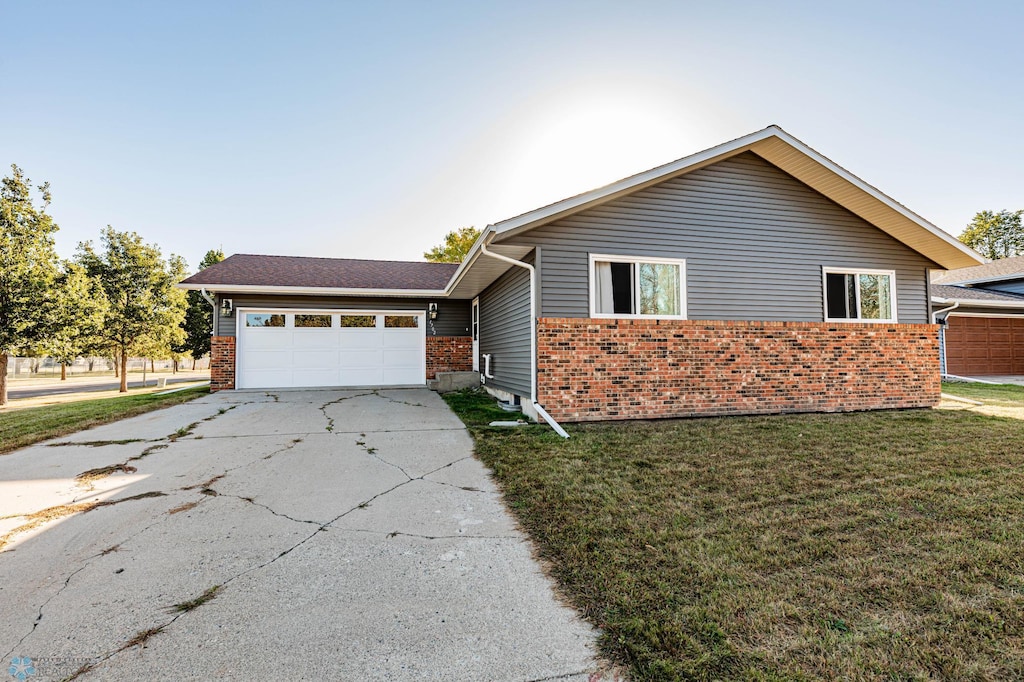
(449, 354)
(222, 363)
(591, 369)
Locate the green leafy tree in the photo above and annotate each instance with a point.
(28, 267)
(144, 309)
(456, 245)
(198, 323)
(995, 235)
(75, 315)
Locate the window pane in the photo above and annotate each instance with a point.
(358, 320)
(312, 320)
(875, 303)
(394, 321)
(838, 295)
(659, 289)
(622, 288)
(263, 320)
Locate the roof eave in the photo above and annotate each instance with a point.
(312, 291)
(979, 304)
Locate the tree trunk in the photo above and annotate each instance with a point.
(91, 362)
(63, 372)
(3, 378)
(152, 366)
(115, 363)
(124, 373)
(174, 367)
(193, 364)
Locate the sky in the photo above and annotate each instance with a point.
(370, 129)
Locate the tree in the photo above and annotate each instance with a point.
(456, 245)
(28, 267)
(198, 322)
(145, 310)
(75, 315)
(995, 235)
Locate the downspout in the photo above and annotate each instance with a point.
(202, 292)
(935, 320)
(533, 334)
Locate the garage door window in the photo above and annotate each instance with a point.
(312, 320)
(396, 321)
(358, 320)
(264, 320)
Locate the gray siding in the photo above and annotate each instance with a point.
(754, 239)
(1013, 286)
(452, 316)
(505, 330)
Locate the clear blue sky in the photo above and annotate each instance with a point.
(369, 129)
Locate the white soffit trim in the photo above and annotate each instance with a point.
(794, 157)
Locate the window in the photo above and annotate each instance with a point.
(867, 295)
(637, 287)
(264, 320)
(358, 320)
(312, 320)
(395, 321)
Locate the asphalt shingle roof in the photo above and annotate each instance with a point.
(974, 294)
(997, 269)
(328, 273)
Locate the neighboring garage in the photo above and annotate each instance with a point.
(310, 348)
(979, 345)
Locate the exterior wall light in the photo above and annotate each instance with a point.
(432, 311)
(226, 307)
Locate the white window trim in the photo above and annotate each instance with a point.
(856, 272)
(615, 258)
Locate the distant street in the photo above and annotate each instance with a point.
(105, 384)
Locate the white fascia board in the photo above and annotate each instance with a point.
(979, 304)
(314, 291)
(527, 220)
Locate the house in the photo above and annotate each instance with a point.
(754, 277)
(982, 308)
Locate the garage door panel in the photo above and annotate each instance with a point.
(266, 339)
(362, 376)
(307, 338)
(312, 359)
(316, 377)
(362, 339)
(267, 359)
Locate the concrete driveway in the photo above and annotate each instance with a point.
(345, 535)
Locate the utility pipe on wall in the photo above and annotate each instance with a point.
(202, 292)
(533, 334)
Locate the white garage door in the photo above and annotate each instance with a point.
(291, 349)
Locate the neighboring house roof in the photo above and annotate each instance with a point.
(248, 272)
(784, 151)
(943, 293)
(998, 270)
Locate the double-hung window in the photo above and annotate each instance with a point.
(859, 295)
(624, 286)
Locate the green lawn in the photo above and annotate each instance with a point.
(868, 546)
(22, 427)
(1007, 394)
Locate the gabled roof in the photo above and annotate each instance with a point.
(999, 270)
(794, 157)
(246, 272)
(971, 296)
